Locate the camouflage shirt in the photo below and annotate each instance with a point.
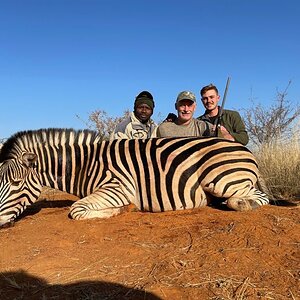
(133, 128)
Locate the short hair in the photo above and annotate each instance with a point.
(207, 88)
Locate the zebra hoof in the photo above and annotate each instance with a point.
(7, 224)
(242, 204)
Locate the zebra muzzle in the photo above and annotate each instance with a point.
(6, 223)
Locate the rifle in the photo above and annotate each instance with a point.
(220, 112)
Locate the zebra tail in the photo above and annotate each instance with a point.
(262, 186)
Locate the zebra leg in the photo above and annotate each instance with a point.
(252, 200)
(108, 201)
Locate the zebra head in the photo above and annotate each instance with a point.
(20, 186)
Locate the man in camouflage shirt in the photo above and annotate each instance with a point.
(138, 125)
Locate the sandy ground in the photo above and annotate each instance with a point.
(208, 253)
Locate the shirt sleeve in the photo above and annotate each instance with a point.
(118, 135)
(121, 130)
(208, 129)
(238, 129)
(154, 133)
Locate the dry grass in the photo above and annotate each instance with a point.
(279, 164)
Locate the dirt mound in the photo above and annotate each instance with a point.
(206, 253)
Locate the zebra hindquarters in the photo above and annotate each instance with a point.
(107, 201)
(239, 191)
(252, 199)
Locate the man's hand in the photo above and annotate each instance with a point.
(223, 132)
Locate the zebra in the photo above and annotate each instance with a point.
(156, 175)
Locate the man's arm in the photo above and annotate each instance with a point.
(120, 131)
(236, 127)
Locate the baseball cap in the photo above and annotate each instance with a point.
(186, 95)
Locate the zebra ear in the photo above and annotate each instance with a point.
(29, 159)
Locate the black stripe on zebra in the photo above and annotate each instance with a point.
(157, 174)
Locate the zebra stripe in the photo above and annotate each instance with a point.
(156, 175)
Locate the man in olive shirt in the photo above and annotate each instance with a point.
(185, 124)
(231, 125)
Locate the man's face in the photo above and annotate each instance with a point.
(185, 109)
(143, 112)
(210, 100)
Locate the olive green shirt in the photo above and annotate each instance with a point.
(234, 124)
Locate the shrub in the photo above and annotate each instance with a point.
(100, 121)
(279, 164)
(265, 125)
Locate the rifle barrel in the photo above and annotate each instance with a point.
(218, 119)
(225, 94)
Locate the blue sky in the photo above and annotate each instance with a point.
(62, 58)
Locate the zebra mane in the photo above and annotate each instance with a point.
(15, 143)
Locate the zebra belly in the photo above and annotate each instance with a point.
(168, 199)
